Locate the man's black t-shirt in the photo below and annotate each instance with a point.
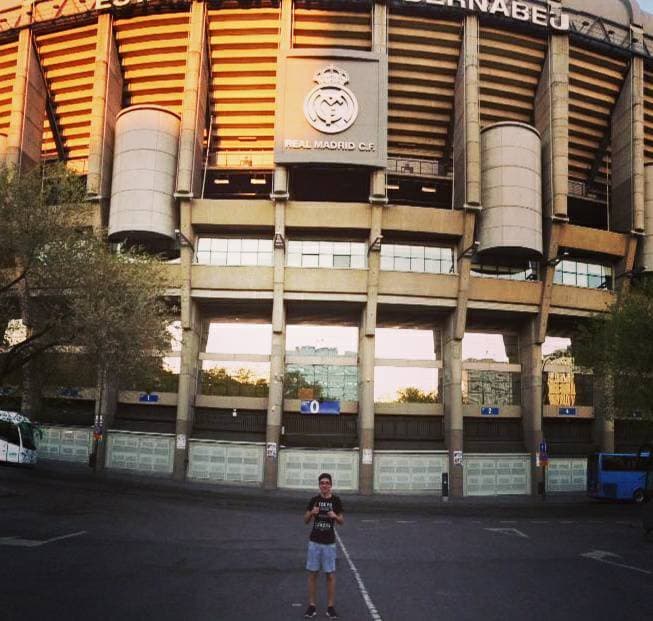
(323, 530)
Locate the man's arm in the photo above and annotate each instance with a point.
(311, 513)
(338, 517)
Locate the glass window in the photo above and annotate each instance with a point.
(485, 270)
(583, 274)
(234, 251)
(327, 254)
(318, 340)
(239, 338)
(418, 259)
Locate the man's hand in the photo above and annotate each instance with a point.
(316, 510)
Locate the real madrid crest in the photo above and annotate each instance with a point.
(331, 107)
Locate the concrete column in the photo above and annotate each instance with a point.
(191, 332)
(603, 429)
(194, 106)
(278, 353)
(106, 403)
(530, 356)
(27, 113)
(453, 401)
(467, 121)
(645, 259)
(552, 121)
(105, 106)
(627, 146)
(366, 355)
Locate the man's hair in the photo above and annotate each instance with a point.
(324, 475)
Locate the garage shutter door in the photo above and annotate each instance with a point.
(566, 475)
(221, 461)
(299, 469)
(140, 452)
(65, 444)
(490, 475)
(409, 472)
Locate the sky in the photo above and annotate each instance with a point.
(647, 5)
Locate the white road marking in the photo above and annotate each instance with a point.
(509, 531)
(507, 521)
(35, 543)
(369, 521)
(406, 522)
(374, 613)
(603, 557)
(539, 521)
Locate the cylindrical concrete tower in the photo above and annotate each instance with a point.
(144, 169)
(511, 193)
(645, 260)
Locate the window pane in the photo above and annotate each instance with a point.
(341, 261)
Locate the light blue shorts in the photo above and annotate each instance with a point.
(321, 556)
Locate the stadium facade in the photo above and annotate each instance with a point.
(384, 219)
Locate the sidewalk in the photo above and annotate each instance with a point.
(80, 476)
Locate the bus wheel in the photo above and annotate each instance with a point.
(639, 496)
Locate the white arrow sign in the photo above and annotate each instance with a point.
(35, 543)
(509, 531)
(604, 557)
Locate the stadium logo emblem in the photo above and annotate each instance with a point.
(331, 107)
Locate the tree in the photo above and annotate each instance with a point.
(618, 346)
(410, 394)
(67, 287)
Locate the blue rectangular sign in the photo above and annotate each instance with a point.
(148, 398)
(567, 411)
(320, 407)
(486, 411)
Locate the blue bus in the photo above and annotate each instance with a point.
(617, 476)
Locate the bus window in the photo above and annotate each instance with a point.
(27, 435)
(9, 432)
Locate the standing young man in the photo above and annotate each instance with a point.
(325, 510)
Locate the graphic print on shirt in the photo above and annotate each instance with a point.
(323, 530)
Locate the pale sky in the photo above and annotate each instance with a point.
(647, 5)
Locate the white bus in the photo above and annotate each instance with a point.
(17, 444)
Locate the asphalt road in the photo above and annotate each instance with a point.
(74, 547)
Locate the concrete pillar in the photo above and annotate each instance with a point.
(467, 121)
(105, 106)
(452, 354)
(552, 121)
(366, 354)
(278, 353)
(530, 356)
(627, 146)
(106, 403)
(194, 106)
(190, 345)
(603, 429)
(3, 149)
(27, 112)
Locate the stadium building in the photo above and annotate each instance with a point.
(384, 221)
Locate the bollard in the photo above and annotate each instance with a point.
(445, 486)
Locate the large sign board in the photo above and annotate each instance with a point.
(331, 108)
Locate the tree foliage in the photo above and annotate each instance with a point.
(618, 346)
(410, 394)
(67, 286)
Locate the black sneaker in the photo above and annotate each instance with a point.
(331, 613)
(311, 612)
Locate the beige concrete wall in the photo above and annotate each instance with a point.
(237, 213)
(420, 220)
(240, 278)
(409, 409)
(509, 292)
(132, 396)
(328, 215)
(301, 279)
(580, 299)
(404, 283)
(229, 403)
(593, 240)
